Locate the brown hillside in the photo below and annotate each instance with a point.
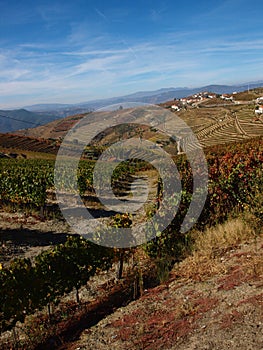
(9, 142)
(53, 130)
(213, 121)
(213, 300)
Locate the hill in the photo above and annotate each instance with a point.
(11, 120)
(152, 97)
(213, 120)
(56, 129)
(212, 299)
(12, 145)
(40, 114)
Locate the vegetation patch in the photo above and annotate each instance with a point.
(228, 320)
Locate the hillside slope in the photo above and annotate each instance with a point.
(212, 124)
(213, 120)
(10, 142)
(213, 300)
(54, 130)
(152, 97)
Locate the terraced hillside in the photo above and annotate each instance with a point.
(219, 125)
(12, 141)
(213, 121)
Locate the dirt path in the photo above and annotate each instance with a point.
(27, 234)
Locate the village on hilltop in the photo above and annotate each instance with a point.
(215, 100)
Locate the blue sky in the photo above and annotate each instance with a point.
(75, 51)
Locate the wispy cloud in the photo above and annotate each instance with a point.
(54, 71)
(101, 14)
(235, 45)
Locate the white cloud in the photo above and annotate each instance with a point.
(106, 65)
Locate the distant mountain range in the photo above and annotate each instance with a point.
(157, 96)
(11, 120)
(40, 114)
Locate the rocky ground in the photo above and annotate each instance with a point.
(195, 309)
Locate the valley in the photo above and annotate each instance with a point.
(175, 291)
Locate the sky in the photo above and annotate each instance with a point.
(77, 51)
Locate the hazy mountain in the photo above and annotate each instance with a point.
(156, 96)
(41, 114)
(46, 107)
(11, 120)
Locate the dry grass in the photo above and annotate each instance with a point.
(211, 245)
(214, 241)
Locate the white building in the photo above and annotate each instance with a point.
(259, 110)
(176, 108)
